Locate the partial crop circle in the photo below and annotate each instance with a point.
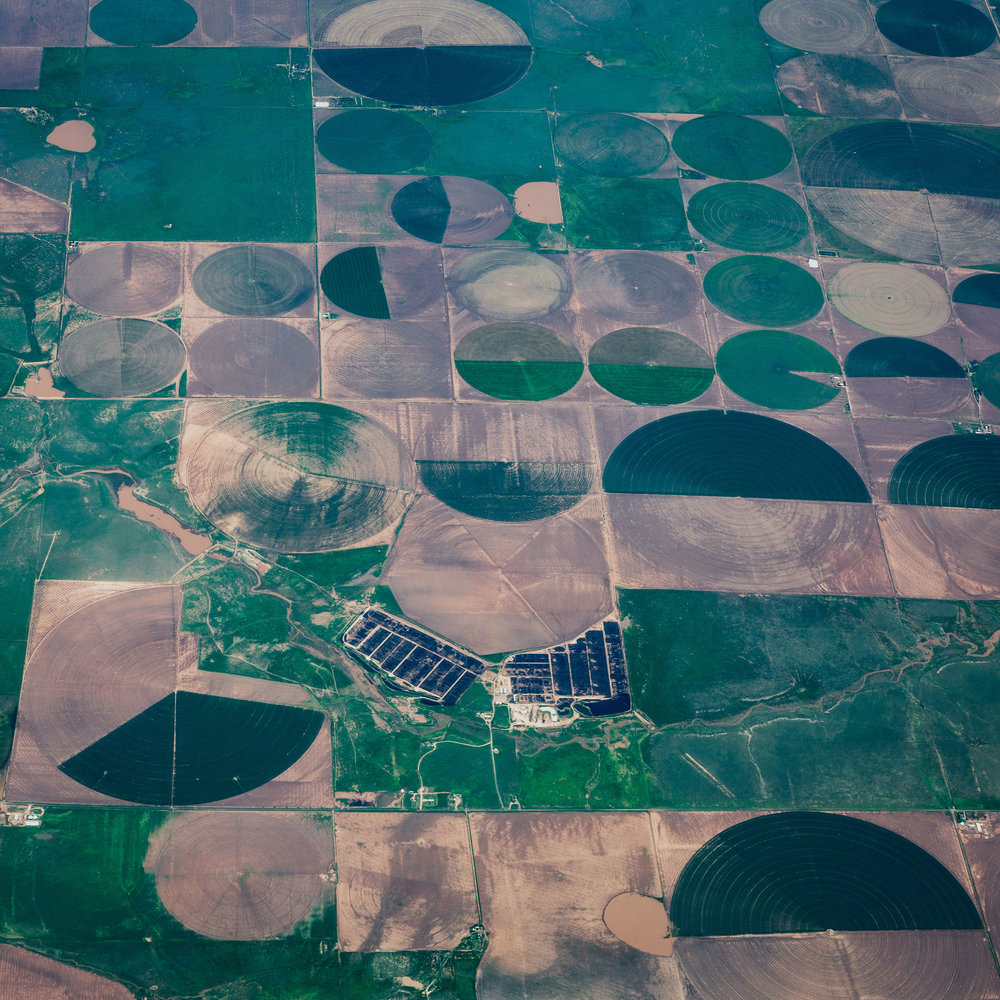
(454, 211)
(765, 290)
(651, 366)
(518, 361)
(125, 279)
(798, 872)
(900, 357)
(977, 304)
(732, 147)
(254, 357)
(374, 141)
(890, 298)
(731, 453)
(392, 282)
(308, 477)
(749, 217)
(122, 357)
(958, 470)
(509, 284)
(635, 286)
(936, 27)
(987, 378)
(610, 144)
(508, 491)
(425, 53)
(778, 369)
(253, 280)
(143, 22)
(825, 26)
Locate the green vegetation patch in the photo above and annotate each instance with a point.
(632, 213)
(701, 655)
(518, 361)
(732, 147)
(649, 365)
(765, 290)
(177, 124)
(764, 366)
(750, 217)
(508, 491)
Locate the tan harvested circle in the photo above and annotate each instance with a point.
(890, 298)
(639, 921)
(240, 876)
(915, 965)
(421, 23)
(125, 279)
(309, 477)
(965, 91)
(732, 543)
(122, 357)
(819, 25)
(509, 284)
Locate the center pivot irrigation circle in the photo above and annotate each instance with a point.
(424, 53)
(766, 290)
(963, 91)
(748, 217)
(636, 286)
(125, 279)
(374, 141)
(977, 303)
(830, 26)
(308, 477)
(609, 144)
(518, 361)
(252, 280)
(240, 876)
(143, 22)
(509, 284)
(890, 298)
(122, 357)
(732, 147)
(254, 357)
(936, 27)
(455, 211)
(647, 365)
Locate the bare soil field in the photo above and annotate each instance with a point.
(242, 876)
(25, 974)
(678, 835)
(25, 211)
(729, 543)
(942, 552)
(404, 882)
(495, 586)
(916, 965)
(982, 848)
(20, 68)
(885, 441)
(44, 22)
(933, 831)
(544, 883)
